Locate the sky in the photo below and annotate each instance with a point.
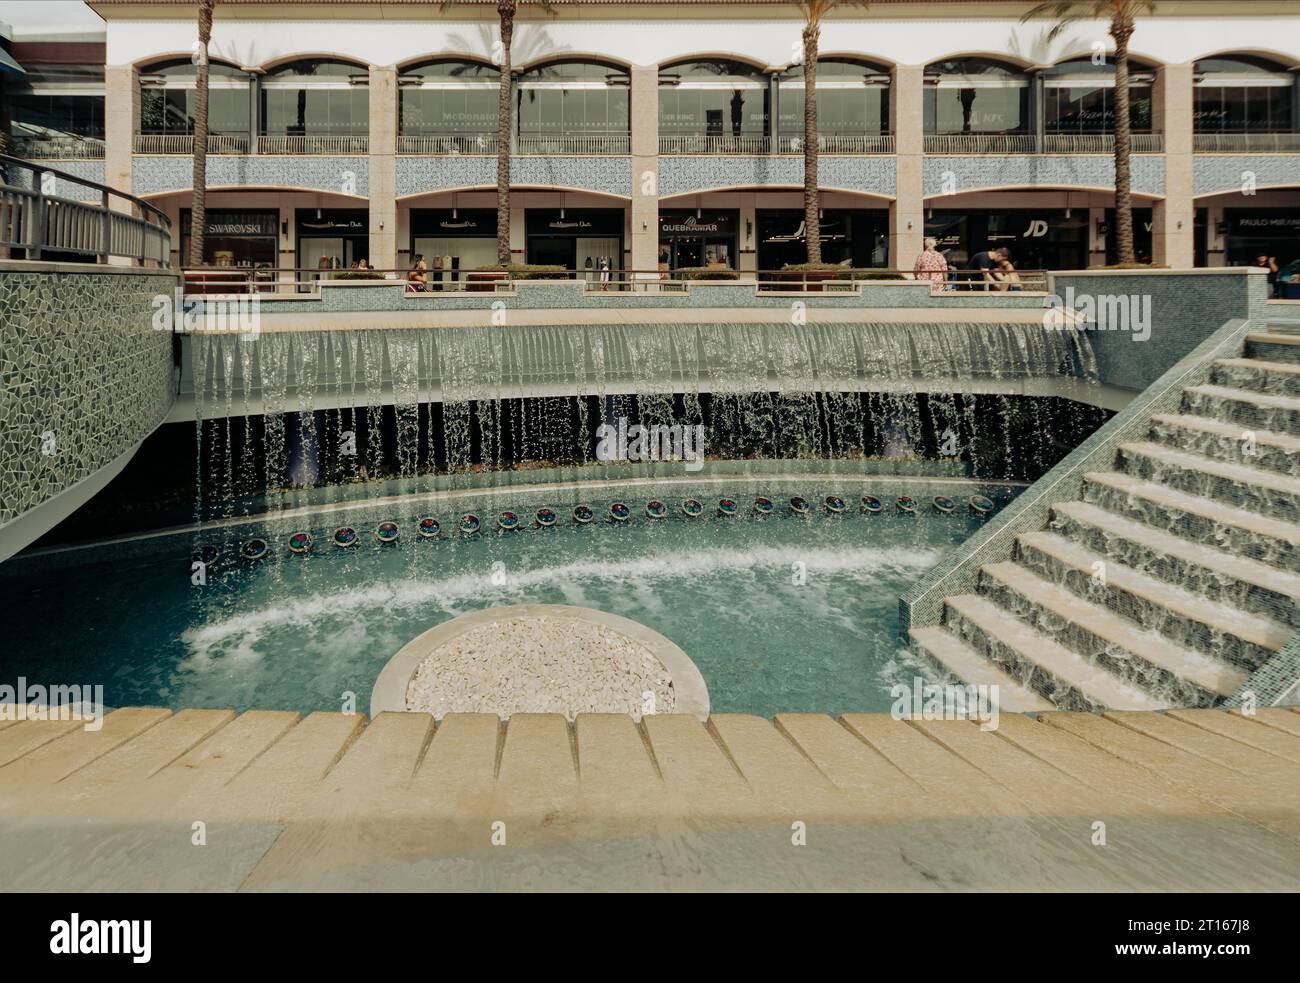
(48, 15)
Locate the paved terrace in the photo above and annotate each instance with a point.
(1191, 800)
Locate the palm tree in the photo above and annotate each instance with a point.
(199, 207)
(506, 10)
(813, 11)
(1121, 14)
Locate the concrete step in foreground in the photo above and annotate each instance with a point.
(1229, 442)
(1256, 490)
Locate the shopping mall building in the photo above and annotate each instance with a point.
(669, 131)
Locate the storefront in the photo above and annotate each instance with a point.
(587, 239)
(856, 237)
(1253, 232)
(1034, 239)
(690, 239)
(331, 238)
(452, 241)
(1142, 226)
(244, 238)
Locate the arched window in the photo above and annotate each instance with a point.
(448, 105)
(1079, 98)
(167, 99)
(852, 105)
(976, 96)
(308, 99)
(1241, 94)
(713, 106)
(573, 107)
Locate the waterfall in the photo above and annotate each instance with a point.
(323, 408)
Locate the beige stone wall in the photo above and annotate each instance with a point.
(907, 216)
(383, 167)
(1173, 218)
(644, 117)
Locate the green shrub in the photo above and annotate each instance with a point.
(355, 275)
(1130, 266)
(845, 272)
(704, 273)
(525, 271)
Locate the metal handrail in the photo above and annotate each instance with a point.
(59, 148)
(581, 144)
(1228, 143)
(1101, 143)
(290, 281)
(305, 145)
(37, 221)
(713, 144)
(447, 144)
(981, 143)
(839, 143)
(183, 143)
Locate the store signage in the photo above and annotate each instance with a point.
(1264, 225)
(687, 224)
(228, 223)
(336, 223)
(463, 223)
(594, 221)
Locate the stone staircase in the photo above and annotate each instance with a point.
(1173, 577)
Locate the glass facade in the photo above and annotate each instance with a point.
(58, 103)
(852, 100)
(315, 98)
(245, 238)
(448, 98)
(853, 237)
(1035, 239)
(1243, 95)
(713, 99)
(1079, 98)
(571, 99)
(167, 99)
(976, 96)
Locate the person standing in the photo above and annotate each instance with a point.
(932, 265)
(1269, 263)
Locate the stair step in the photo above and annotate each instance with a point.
(1192, 517)
(1065, 677)
(1274, 346)
(962, 662)
(1228, 442)
(1259, 491)
(1142, 657)
(1260, 411)
(1282, 327)
(1261, 375)
(1223, 577)
(1241, 637)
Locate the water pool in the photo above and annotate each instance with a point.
(780, 612)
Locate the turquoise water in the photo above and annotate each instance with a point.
(780, 613)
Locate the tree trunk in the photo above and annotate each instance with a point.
(811, 202)
(1122, 30)
(199, 206)
(506, 10)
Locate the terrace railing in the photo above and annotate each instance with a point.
(290, 281)
(981, 143)
(720, 144)
(42, 224)
(1101, 143)
(302, 145)
(1237, 143)
(831, 143)
(183, 143)
(59, 148)
(576, 145)
(447, 144)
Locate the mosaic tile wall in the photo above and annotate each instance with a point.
(607, 175)
(85, 376)
(973, 173)
(1213, 173)
(90, 170)
(340, 175)
(869, 173)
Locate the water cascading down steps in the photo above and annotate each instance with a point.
(1174, 577)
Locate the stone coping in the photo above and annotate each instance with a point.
(390, 690)
(94, 269)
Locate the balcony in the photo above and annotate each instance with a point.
(447, 144)
(59, 148)
(981, 143)
(832, 143)
(183, 143)
(578, 145)
(304, 145)
(1101, 143)
(718, 144)
(1246, 143)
